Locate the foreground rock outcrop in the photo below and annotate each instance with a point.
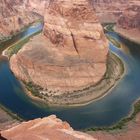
(49, 128)
(53, 128)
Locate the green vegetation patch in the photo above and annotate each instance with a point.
(122, 123)
(114, 41)
(34, 89)
(17, 46)
(110, 27)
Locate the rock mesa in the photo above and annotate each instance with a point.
(70, 55)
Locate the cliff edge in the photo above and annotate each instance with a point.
(49, 128)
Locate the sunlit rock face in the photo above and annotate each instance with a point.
(71, 56)
(73, 25)
(49, 128)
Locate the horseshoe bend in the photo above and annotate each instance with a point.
(69, 63)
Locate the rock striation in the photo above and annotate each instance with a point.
(49, 128)
(70, 56)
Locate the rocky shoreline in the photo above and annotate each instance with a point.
(7, 118)
(8, 52)
(127, 128)
(115, 71)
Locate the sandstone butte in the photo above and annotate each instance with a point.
(49, 128)
(68, 57)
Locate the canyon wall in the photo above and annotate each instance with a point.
(108, 11)
(128, 24)
(14, 17)
(20, 13)
(130, 18)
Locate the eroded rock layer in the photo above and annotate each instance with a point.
(70, 56)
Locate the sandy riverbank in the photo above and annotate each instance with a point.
(91, 93)
(7, 120)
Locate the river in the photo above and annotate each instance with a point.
(104, 112)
